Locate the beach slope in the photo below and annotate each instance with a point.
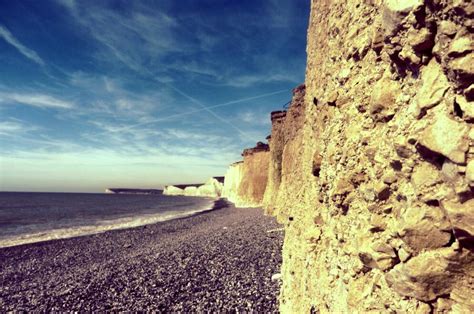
(219, 260)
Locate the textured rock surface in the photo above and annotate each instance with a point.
(371, 169)
(245, 182)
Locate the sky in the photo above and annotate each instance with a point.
(140, 94)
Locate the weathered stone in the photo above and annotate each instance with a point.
(377, 223)
(462, 70)
(408, 55)
(421, 40)
(461, 216)
(382, 102)
(467, 108)
(435, 85)
(343, 186)
(447, 137)
(448, 28)
(423, 277)
(390, 177)
(449, 171)
(461, 45)
(394, 11)
(470, 172)
(378, 255)
(424, 227)
(382, 191)
(462, 296)
(424, 175)
(443, 305)
(377, 39)
(403, 255)
(469, 92)
(344, 75)
(332, 98)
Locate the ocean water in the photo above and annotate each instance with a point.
(34, 217)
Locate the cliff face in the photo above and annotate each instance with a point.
(372, 169)
(212, 188)
(232, 181)
(245, 181)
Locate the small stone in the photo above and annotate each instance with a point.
(408, 55)
(424, 175)
(447, 137)
(377, 39)
(344, 75)
(343, 186)
(449, 171)
(382, 102)
(390, 177)
(377, 223)
(276, 277)
(382, 191)
(435, 85)
(403, 255)
(378, 255)
(332, 98)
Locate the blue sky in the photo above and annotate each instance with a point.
(97, 94)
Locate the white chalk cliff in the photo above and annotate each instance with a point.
(212, 188)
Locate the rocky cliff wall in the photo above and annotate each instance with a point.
(245, 181)
(232, 181)
(372, 169)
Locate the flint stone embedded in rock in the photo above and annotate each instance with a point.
(435, 85)
(447, 137)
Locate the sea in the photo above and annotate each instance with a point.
(34, 217)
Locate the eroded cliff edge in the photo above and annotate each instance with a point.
(372, 168)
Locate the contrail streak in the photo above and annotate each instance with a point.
(197, 110)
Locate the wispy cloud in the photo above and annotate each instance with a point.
(255, 118)
(15, 127)
(27, 52)
(35, 100)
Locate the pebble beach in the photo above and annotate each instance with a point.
(219, 260)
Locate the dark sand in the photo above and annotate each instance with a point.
(220, 260)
